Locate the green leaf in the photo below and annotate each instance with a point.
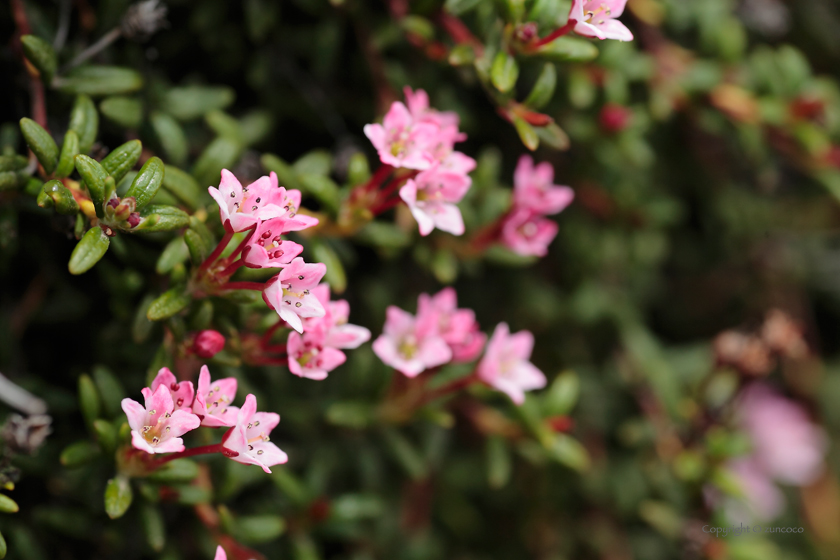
(3, 547)
(79, 454)
(286, 174)
(335, 276)
(168, 304)
(153, 526)
(89, 402)
(117, 497)
(100, 80)
(221, 153)
(458, 7)
(172, 255)
(224, 125)
(315, 162)
(41, 144)
(158, 217)
(125, 111)
(8, 505)
(461, 55)
(566, 49)
(498, 462)
(94, 176)
(84, 121)
(418, 25)
(526, 133)
(445, 266)
(191, 102)
(88, 251)
(323, 189)
(175, 471)
(69, 151)
(106, 435)
(171, 137)
(110, 389)
(182, 186)
(122, 159)
(562, 395)
(147, 182)
(406, 455)
(568, 451)
(256, 529)
(504, 72)
(543, 89)
(354, 415)
(554, 136)
(358, 170)
(141, 327)
(56, 195)
(12, 162)
(196, 246)
(9, 180)
(41, 54)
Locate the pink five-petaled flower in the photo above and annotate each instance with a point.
(534, 188)
(289, 293)
(401, 141)
(527, 233)
(597, 18)
(309, 357)
(241, 208)
(220, 553)
(409, 344)
(339, 333)
(212, 400)
(431, 197)
(182, 392)
(208, 343)
(248, 439)
(457, 327)
(157, 426)
(267, 249)
(505, 364)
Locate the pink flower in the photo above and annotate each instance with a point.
(338, 333)
(241, 208)
(249, 437)
(182, 392)
(267, 249)
(212, 400)
(787, 445)
(208, 343)
(527, 233)
(431, 197)
(310, 357)
(761, 497)
(418, 106)
(402, 142)
(220, 554)
(596, 18)
(289, 294)
(411, 345)
(533, 188)
(505, 364)
(157, 426)
(457, 327)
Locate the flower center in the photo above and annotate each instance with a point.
(602, 9)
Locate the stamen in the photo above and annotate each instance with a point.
(258, 200)
(250, 425)
(233, 195)
(266, 234)
(250, 448)
(257, 423)
(180, 402)
(146, 429)
(298, 304)
(253, 207)
(300, 277)
(153, 412)
(155, 440)
(260, 452)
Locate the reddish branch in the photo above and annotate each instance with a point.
(39, 103)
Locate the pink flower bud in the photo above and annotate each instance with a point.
(208, 343)
(614, 118)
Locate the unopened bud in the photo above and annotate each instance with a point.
(133, 219)
(614, 118)
(208, 343)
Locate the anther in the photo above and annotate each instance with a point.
(155, 440)
(298, 304)
(287, 302)
(146, 429)
(258, 200)
(254, 207)
(233, 195)
(250, 448)
(257, 423)
(153, 412)
(167, 415)
(300, 277)
(168, 428)
(266, 234)
(259, 452)
(250, 425)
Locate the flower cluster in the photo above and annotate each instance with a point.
(173, 408)
(525, 229)
(786, 447)
(415, 137)
(317, 351)
(441, 333)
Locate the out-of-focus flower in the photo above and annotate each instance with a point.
(289, 293)
(248, 442)
(208, 343)
(783, 335)
(182, 391)
(309, 357)
(431, 197)
(157, 426)
(457, 327)
(410, 344)
(534, 188)
(614, 117)
(25, 435)
(506, 366)
(220, 554)
(213, 398)
(746, 352)
(401, 141)
(528, 233)
(241, 208)
(597, 18)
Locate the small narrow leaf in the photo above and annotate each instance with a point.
(89, 402)
(526, 133)
(153, 525)
(147, 182)
(118, 497)
(504, 72)
(84, 121)
(89, 250)
(175, 471)
(543, 89)
(168, 304)
(41, 144)
(94, 176)
(58, 196)
(335, 276)
(182, 186)
(173, 254)
(196, 246)
(100, 80)
(41, 54)
(69, 151)
(567, 49)
(79, 454)
(157, 217)
(221, 153)
(122, 159)
(7, 505)
(125, 111)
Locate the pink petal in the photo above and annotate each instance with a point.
(135, 412)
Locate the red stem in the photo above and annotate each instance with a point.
(231, 268)
(202, 450)
(272, 361)
(377, 178)
(553, 35)
(258, 286)
(271, 330)
(452, 387)
(241, 245)
(39, 105)
(217, 251)
(277, 348)
(385, 206)
(460, 33)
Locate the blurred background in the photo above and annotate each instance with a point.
(686, 315)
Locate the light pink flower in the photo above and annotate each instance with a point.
(787, 445)
(241, 208)
(760, 496)
(401, 141)
(527, 233)
(267, 249)
(289, 293)
(418, 106)
(457, 327)
(182, 392)
(431, 197)
(505, 364)
(213, 398)
(597, 18)
(249, 437)
(533, 188)
(220, 554)
(157, 426)
(208, 343)
(310, 357)
(338, 333)
(409, 344)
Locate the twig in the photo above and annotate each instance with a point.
(39, 103)
(20, 398)
(94, 49)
